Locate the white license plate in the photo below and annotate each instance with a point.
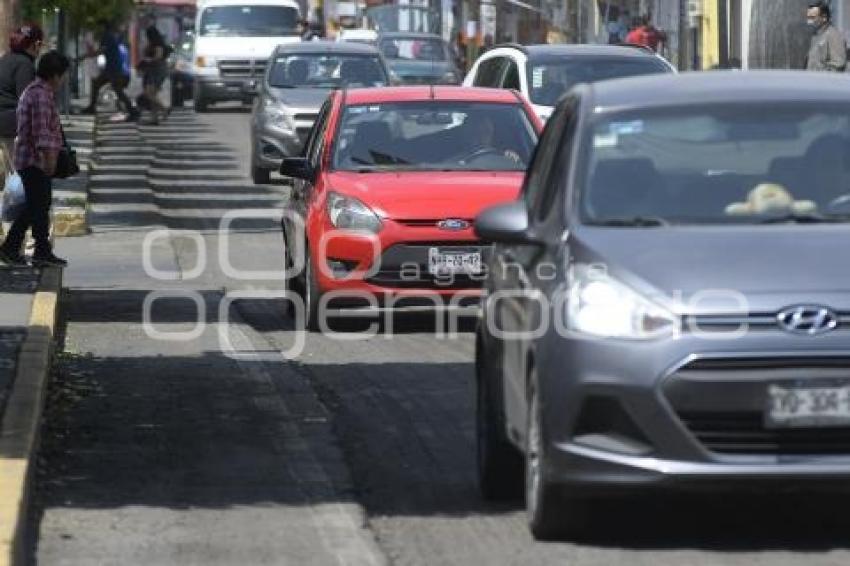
(450, 263)
(790, 407)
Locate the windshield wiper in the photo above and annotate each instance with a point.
(808, 218)
(636, 221)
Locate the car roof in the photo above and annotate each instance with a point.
(579, 50)
(425, 93)
(326, 47)
(410, 34)
(709, 87)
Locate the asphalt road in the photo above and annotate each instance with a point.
(357, 451)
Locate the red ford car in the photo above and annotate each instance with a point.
(384, 197)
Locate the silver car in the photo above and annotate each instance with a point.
(668, 302)
(297, 80)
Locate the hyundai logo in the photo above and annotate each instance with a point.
(809, 320)
(453, 224)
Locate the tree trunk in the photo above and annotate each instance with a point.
(10, 17)
(779, 38)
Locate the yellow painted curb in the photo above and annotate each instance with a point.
(20, 426)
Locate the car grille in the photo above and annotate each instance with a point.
(744, 434)
(242, 68)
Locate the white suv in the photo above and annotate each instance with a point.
(542, 73)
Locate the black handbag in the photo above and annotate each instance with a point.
(66, 162)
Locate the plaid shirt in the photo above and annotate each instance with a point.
(38, 125)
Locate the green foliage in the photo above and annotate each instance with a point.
(84, 14)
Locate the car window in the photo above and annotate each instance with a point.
(489, 72)
(511, 78)
(558, 163)
(308, 70)
(720, 164)
(315, 143)
(549, 78)
(414, 48)
(544, 155)
(249, 21)
(435, 135)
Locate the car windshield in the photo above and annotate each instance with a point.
(414, 49)
(306, 70)
(434, 136)
(734, 163)
(548, 79)
(248, 20)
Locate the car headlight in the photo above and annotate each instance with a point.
(276, 114)
(599, 305)
(348, 213)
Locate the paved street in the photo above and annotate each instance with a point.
(355, 452)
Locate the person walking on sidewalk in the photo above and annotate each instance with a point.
(828, 49)
(17, 71)
(113, 73)
(36, 151)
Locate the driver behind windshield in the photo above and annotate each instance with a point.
(481, 138)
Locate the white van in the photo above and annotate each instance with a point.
(234, 39)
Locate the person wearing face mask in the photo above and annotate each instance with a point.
(828, 50)
(17, 71)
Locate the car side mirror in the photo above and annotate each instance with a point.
(505, 224)
(297, 168)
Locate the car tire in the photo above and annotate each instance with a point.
(500, 464)
(312, 296)
(552, 514)
(260, 176)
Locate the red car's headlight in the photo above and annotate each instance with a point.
(348, 213)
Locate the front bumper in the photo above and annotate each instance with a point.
(216, 89)
(687, 412)
(273, 144)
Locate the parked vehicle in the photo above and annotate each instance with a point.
(298, 79)
(180, 64)
(234, 40)
(675, 296)
(405, 169)
(543, 73)
(419, 58)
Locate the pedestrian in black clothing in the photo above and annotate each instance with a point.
(17, 71)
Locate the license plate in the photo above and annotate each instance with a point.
(450, 263)
(795, 407)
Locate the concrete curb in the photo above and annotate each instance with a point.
(20, 422)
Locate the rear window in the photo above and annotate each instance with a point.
(549, 78)
(434, 136)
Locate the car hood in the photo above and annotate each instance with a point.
(240, 47)
(429, 195)
(772, 267)
(404, 68)
(302, 98)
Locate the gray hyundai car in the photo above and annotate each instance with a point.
(668, 302)
(297, 81)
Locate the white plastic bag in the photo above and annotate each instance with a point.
(14, 198)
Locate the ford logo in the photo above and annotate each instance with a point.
(809, 320)
(453, 224)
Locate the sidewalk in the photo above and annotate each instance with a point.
(28, 316)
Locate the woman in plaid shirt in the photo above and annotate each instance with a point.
(36, 150)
